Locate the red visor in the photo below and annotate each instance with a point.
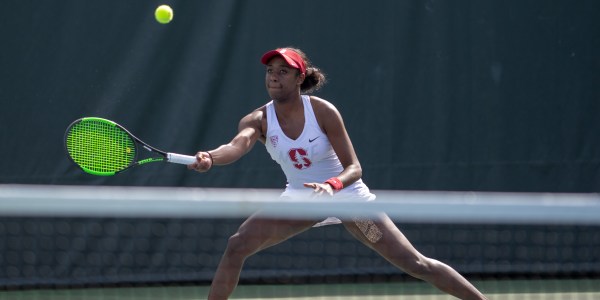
(291, 57)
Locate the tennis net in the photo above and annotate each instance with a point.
(406, 206)
(70, 236)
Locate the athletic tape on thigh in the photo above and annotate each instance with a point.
(369, 229)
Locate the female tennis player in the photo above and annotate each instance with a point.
(307, 137)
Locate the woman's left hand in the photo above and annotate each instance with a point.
(320, 189)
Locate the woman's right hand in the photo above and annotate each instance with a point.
(203, 162)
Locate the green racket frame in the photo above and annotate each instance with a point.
(104, 148)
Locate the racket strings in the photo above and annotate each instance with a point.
(100, 147)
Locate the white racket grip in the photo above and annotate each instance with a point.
(181, 159)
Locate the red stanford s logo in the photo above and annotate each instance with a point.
(298, 156)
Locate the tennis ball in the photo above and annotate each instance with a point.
(163, 14)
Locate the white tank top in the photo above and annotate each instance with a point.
(309, 158)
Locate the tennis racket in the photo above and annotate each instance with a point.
(104, 148)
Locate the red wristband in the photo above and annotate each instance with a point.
(335, 183)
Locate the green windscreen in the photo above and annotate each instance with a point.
(99, 146)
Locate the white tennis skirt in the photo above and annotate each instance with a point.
(357, 191)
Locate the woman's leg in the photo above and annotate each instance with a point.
(255, 234)
(382, 235)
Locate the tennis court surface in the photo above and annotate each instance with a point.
(498, 289)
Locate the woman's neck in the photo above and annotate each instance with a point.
(288, 107)
(290, 116)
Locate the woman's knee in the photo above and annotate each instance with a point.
(420, 267)
(239, 245)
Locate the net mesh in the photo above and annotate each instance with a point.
(99, 146)
(57, 236)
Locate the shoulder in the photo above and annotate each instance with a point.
(326, 113)
(256, 115)
(256, 119)
(323, 108)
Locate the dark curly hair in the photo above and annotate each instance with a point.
(315, 78)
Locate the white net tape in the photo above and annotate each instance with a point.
(405, 206)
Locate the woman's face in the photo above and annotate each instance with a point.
(282, 81)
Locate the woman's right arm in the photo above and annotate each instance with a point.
(249, 131)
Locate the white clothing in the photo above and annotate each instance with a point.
(309, 158)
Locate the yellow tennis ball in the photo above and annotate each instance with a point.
(163, 14)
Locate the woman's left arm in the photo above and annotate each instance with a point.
(332, 124)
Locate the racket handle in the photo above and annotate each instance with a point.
(180, 159)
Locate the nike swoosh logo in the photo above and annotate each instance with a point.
(312, 140)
